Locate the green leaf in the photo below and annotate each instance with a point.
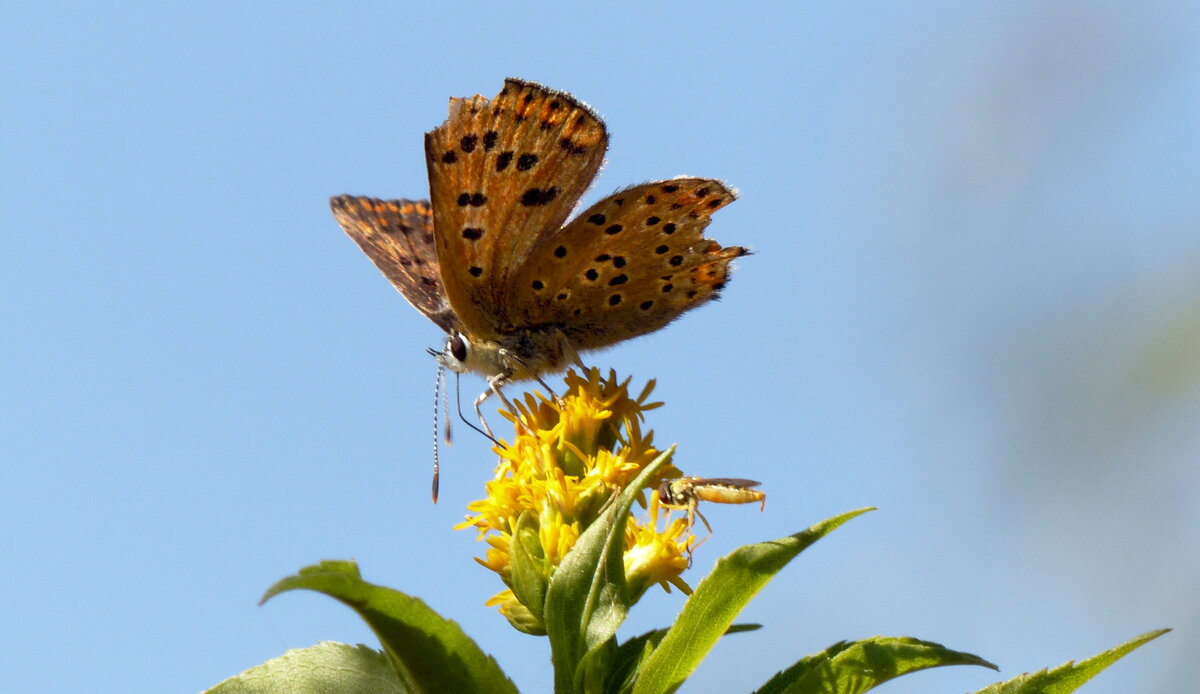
(586, 600)
(528, 568)
(1069, 676)
(636, 650)
(429, 653)
(630, 657)
(593, 669)
(326, 667)
(718, 599)
(859, 666)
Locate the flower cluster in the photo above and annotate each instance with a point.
(570, 457)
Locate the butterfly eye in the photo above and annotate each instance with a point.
(458, 347)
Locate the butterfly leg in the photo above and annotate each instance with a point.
(516, 362)
(494, 384)
(479, 410)
(548, 389)
(566, 354)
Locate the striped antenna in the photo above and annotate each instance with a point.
(439, 393)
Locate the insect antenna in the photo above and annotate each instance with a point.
(438, 393)
(446, 404)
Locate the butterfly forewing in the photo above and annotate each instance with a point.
(628, 265)
(504, 174)
(397, 235)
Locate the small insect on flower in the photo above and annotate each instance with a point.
(688, 492)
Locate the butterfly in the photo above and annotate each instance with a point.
(489, 259)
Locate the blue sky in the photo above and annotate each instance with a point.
(973, 303)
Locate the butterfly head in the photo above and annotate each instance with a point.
(522, 355)
(456, 354)
(461, 355)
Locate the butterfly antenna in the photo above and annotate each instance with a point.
(446, 409)
(458, 403)
(437, 401)
(441, 386)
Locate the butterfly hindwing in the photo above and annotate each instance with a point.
(628, 265)
(504, 174)
(398, 237)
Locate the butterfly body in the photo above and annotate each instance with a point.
(491, 259)
(520, 355)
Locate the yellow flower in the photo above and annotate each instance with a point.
(657, 557)
(570, 457)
